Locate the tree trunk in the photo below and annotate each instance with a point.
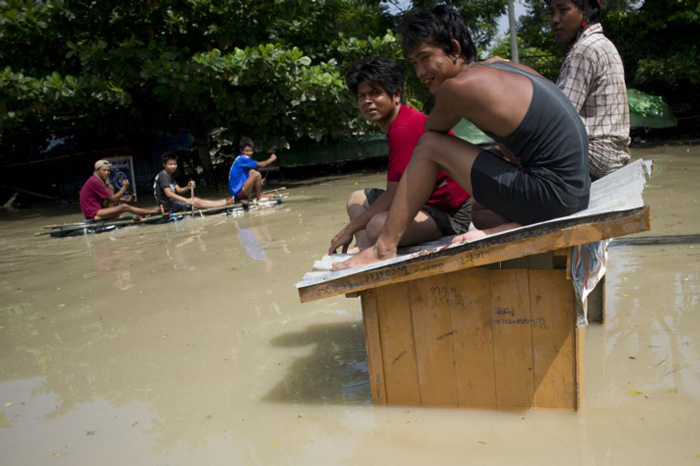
(201, 138)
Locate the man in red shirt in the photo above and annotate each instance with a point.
(377, 83)
(99, 203)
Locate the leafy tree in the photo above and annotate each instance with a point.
(270, 69)
(658, 41)
(199, 63)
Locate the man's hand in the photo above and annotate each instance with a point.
(190, 184)
(125, 184)
(272, 158)
(342, 239)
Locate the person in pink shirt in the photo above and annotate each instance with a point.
(99, 203)
(377, 84)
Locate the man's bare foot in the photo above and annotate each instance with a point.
(367, 256)
(468, 236)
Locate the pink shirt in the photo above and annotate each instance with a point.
(402, 137)
(92, 194)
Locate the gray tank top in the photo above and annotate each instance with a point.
(551, 137)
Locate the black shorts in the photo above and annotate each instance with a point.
(454, 222)
(177, 206)
(522, 195)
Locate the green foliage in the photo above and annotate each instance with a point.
(657, 40)
(269, 69)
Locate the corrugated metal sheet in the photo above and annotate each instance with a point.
(618, 192)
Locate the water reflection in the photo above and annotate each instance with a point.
(108, 262)
(334, 373)
(663, 307)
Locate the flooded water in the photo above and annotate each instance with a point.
(186, 344)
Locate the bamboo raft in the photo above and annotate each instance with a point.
(92, 227)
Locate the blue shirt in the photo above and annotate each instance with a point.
(239, 173)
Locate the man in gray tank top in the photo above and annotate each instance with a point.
(537, 128)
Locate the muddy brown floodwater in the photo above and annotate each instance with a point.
(186, 344)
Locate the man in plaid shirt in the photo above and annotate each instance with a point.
(593, 78)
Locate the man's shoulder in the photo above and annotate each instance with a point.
(467, 86)
(408, 119)
(592, 43)
(163, 177)
(94, 183)
(241, 159)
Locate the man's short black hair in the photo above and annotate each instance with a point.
(437, 27)
(170, 155)
(245, 141)
(376, 71)
(590, 8)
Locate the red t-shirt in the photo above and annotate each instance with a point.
(91, 196)
(402, 137)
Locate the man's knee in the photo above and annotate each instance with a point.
(375, 225)
(254, 175)
(357, 198)
(427, 144)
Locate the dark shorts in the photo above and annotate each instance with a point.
(176, 206)
(454, 222)
(521, 195)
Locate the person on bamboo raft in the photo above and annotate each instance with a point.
(99, 201)
(544, 173)
(168, 193)
(243, 178)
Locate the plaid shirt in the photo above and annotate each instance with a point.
(593, 78)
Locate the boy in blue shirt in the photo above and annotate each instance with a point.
(244, 177)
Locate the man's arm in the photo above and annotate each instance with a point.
(575, 79)
(443, 117)
(118, 195)
(181, 189)
(171, 195)
(267, 162)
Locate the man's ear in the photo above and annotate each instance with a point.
(456, 48)
(397, 95)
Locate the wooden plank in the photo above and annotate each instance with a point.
(488, 251)
(553, 339)
(474, 357)
(398, 346)
(579, 335)
(375, 365)
(434, 333)
(512, 338)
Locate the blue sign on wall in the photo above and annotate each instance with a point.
(122, 169)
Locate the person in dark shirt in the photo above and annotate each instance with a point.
(168, 193)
